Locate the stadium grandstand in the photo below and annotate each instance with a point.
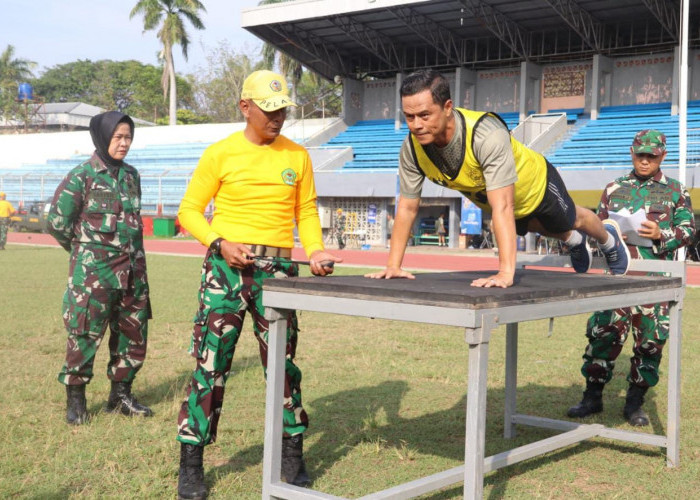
(573, 79)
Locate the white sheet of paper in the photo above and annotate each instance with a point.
(629, 224)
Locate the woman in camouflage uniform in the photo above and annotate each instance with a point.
(96, 216)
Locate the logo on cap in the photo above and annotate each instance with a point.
(276, 86)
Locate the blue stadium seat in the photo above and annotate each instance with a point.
(39, 181)
(375, 143)
(606, 141)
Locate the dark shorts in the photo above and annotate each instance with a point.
(556, 212)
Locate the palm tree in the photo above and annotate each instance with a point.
(290, 68)
(13, 70)
(169, 17)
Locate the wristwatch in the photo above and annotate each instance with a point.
(215, 246)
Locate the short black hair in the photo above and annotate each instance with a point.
(427, 79)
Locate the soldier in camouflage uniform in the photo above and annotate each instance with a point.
(6, 211)
(96, 216)
(262, 185)
(669, 226)
(340, 228)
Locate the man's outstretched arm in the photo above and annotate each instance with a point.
(406, 213)
(502, 202)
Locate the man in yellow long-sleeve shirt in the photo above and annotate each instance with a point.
(6, 211)
(262, 183)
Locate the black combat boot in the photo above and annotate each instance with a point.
(293, 466)
(190, 483)
(122, 401)
(633, 406)
(76, 412)
(591, 403)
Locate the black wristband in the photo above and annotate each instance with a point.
(215, 246)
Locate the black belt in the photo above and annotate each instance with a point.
(267, 251)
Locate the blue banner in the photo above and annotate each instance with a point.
(372, 213)
(471, 218)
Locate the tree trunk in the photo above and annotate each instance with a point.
(173, 91)
(294, 110)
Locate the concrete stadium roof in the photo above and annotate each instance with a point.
(379, 38)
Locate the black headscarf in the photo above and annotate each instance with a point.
(102, 129)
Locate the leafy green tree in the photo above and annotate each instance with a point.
(318, 97)
(169, 17)
(129, 86)
(72, 82)
(186, 117)
(12, 72)
(217, 86)
(289, 67)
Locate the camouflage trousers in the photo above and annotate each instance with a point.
(86, 314)
(340, 236)
(225, 295)
(607, 332)
(4, 226)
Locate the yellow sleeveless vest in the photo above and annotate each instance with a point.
(530, 166)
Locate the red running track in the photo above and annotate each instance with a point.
(414, 259)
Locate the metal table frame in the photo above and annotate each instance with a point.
(478, 324)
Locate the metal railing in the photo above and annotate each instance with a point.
(313, 106)
(540, 131)
(161, 193)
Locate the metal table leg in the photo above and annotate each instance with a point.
(511, 382)
(674, 385)
(274, 399)
(475, 437)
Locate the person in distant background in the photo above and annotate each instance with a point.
(340, 228)
(96, 216)
(669, 226)
(6, 211)
(389, 228)
(440, 230)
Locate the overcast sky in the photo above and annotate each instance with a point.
(51, 32)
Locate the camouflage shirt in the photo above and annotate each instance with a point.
(665, 201)
(96, 215)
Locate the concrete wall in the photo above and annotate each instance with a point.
(379, 102)
(694, 75)
(498, 90)
(353, 98)
(635, 80)
(642, 79)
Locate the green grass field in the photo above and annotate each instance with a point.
(386, 403)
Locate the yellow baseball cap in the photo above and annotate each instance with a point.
(2, 193)
(268, 90)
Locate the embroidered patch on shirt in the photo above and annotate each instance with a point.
(289, 176)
